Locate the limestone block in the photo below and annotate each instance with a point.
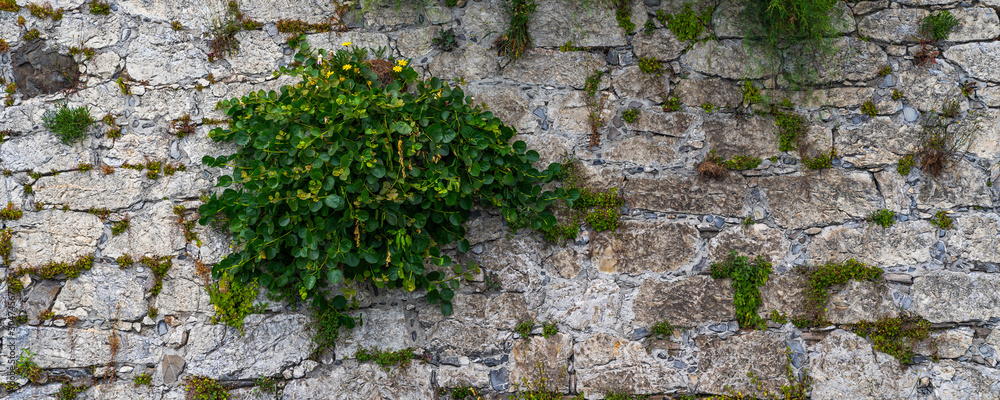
(631, 83)
(820, 198)
(495, 311)
(606, 361)
(271, 344)
(83, 190)
(555, 23)
(726, 58)
(975, 23)
(894, 25)
(537, 355)
(905, 243)
(50, 235)
(953, 381)
(691, 301)
(951, 343)
(105, 290)
(641, 148)
(785, 293)
(845, 366)
(877, 142)
(730, 137)
(674, 124)
(568, 114)
(928, 88)
(724, 363)
(978, 59)
(687, 194)
(591, 305)
(364, 381)
(465, 338)
(57, 348)
(508, 103)
(642, 246)
(41, 151)
(258, 54)
(859, 301)
(472, 62)
(852, 59)
(162, 56)
(961, 185)
(388, 329)
(661, 45)
(80, 30)
(553, 67)
(756, 240)
(417, 42)
(945, 296)
(720, 93)
(975, 238)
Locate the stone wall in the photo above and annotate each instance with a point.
(603, 290)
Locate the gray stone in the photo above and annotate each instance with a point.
(549, 355)
(56, 348)
(104, 288)
(845, 366)
(642, 149)
(975, 238)
(951, 343)
(847, 62)
(928, 88)
(757, 240)
(978, 59)
(730, 137)
(945, 296)
(691, 301)
(630, 82)
(471, 62)
(905, 243)
(603, 361)
(784, 293)
(674, 124)
(217, 350)
(550, 67)
(719, 92)
(382, 328)
(859, 301)
(961, 185)
(83, 190)
(49, 235)
(153, 231)
(416, 43)
(726, 58)
(878, 142)
(645, 246)
(975, 23)
(160, 56)
(555, 23)
(41, 151)
(367, 381)
(661, 45)
(40, 70)
(182, 291)
(910, 114)
(830, 196)
(726, 364)
(688, 194)
(954, 380)
(501, 311)
(895, 25)
(39, 299)
(507, 103)
(171, 366)
(587, 305)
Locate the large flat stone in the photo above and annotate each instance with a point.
(631, 83)
(555, 23)
(57, 348)
(852, 60)
(894, 25)
(162, 56)
(50, 235)
(859, 301)
(956, 380)
(719, 92)
(691, 301)
(508, 103)
(465, 338)
(590, 305)
(961, 185)
(83, 190)
(945, 296)
(975, 23)
(975, 238)
(539, 357)
(730, 137)
(154, 231)
(879, 142)
(927, 88)
(640, 246)
(845, 366)
(496, 311)
(104, 288)
(606, 361)
(271, 344)
(785, 293)
(364, 381)
(641, 149)
(41, 152)
(903, 244)
(688, 194)
(820, 198)
(725, 59)
(551, 67)
(674, 124)
(757, 240)
(386, 329)
(725, 363)
(661, 45)
(978, 59)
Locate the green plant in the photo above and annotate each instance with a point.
(969, 88)
(385, 359)
(68, 392)
(9, 6)
(10, 213)
(868, 108)
(708, 107)
(687, 24)
(821, 277)
(942, 220)
(4, 47)
(69, 124)
(943, 136)
(153, 312)
(233, 300)
(99, 7)
(46, 315)
(328, 324)
(45, 11)
(159, 266)
(821, 161)
(896, 94)
(905, 165)
(28, 189)
(623, 14)
(778, 318)
(950, 109)
(938, 25)
(6, 239)
(450, 3)
(524, 327)
(124, 261)
(362, 181)
(84, 167)
(224, 30)
(568, 46)
(176, 25)
(621, 394)
(142, 380)
(884, 217)
(298, 27)
(32, 35)
(884, 71)
(517, 39)
(123, 87)
(536, 389)
(27, 368)
(120, 227)
(549, 329)
(673, 103)
(790, 33)
(747, 276)
(748, 221)
(751, 93)
(650, 66)
(631, 115)
(445, 40)
(895, 336)
(649, 27)
(739, 162)
(266, 385)
(662, 330)
(182, 126)
(205, 388)
(461, 392)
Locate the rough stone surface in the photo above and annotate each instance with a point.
(819, 198)
(211, 347)
(692, 301)
(688, 194)
(556, 23)
(730, 137)
(104, 290)
(83, 190)
(725, 59)
(355, 380)
(859, 301)
(976, 58)
(904, 243)
(960, 185)
(552, 353)
(726, 363)
(877, 142)
(975, 239)
(943, 296)
(896, 25)
(605, 360)
(548, 67)
(661, 44)
(642, 246)
(54, 236)
(845, 366)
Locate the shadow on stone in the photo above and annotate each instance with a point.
(39, 70)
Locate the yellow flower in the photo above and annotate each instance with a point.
(357, 71)
(346, 44)
(397, 68)
(347, 67)
(342, 79)
(402, 63)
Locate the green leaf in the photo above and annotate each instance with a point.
(333, 201)
(284, 220)
(446, 308)
(310, 282)
(334, 276)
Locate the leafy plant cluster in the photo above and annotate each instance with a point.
(10, 213)
(595, 104)
(896, 337)
(9, 6)
(883, 217)
(27, 368)
(142, 380)
(905, 165)
(45, 11)
(549, 329)
(662, 330)
(796, 31)
(224, 30)
(445, 40)
(68, 392)
(99, 7)
(739, 162)
(820, 161)
(631, 115)
(517, 39)
(623, 14)
(650, 66)
(820, 278)
(205, 388)
(944, 135)
(50, 270)
(385, 359)
(868, 108)
(942, 220)
(524, 327)
(159, 265)
(596, 207)
(673, 103)
(747, 276)
(687, 24)
(233, 301)
(120, 226)
(536, 389)
(346, 177)
(6, 246)
(298, 26)
(459, 393)
(938, 25)
(69, 124)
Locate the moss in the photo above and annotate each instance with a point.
(204, 388)
(45, 11)
(631, 115)
(549, 329)
(747, 277)
(896, 337)
(176, 25)
(821, 277)
(662, 330)
(739, 162)
(524, 327)
(778, 318)
(9, 6)
(6, 244)
(623, 14)
(942, 220)
(298, 27)
(385, 359)
(233, 301)
(120, 227)
(905, 165)
(159, 265)
(896, 94)
(822, 161)
(687, 24)
(673, 103)
(884, 71)
(708, 107)
(650, 66)
(182, 126)
(124, 261)
(791, 128)
(101, 213)
(868, 108)
(884, 218)
(142, 380)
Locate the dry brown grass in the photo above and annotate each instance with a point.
(711, 169)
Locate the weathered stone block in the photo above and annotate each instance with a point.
(690, 194)
(820, 198)
(963, 184)
(953, 381)
(785, 293)
(555, 23)
(50, 235)
(605, 361)
(154, 231)
(951, 343)
(630, 82)
(57, 348)
(674, 124)
(691, 301)
(537, 356)
(641, 246)
(730, 137)
(878, 142)
(388, 329)
(104, 290)
(756, 240)
(41, 151)
(724, 363)
(978, 59)
(472, 62)
(895, 25)
(975, 238)
(975, 23)
(845, 366)
(271, 344)
(661, 45)
(367, 381)
(945, 296)
(83, 190)
(589, 305)
(726, 58)
(859, 301)
(552, 67)
(642, 149)
(716, 91)
(905, 243)
(161, 56)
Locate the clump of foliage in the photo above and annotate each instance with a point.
(182, 126)
(751, 93)
(224, 30)
(708, 107)
(99, 7)
(53, 268)
(905, 165)
(791, 129)
(549, 329)
(233, 301)
(445, 40)
(524, 327)
(27, 368)
(943, 136)
(6, 246)
(45, 11)
(4, 46)
(69, 124)
(687, 24)
(68, 392)
(347, 177)
(896, 94)
(621, 394)
(536, 389)
(459, 393)
(176, 25)
(153, 312)
(517, 39)
(328, 324)
(623, 14)
(820, 161)
(819, 278)
(778, 317)
(942, 220)
(650, 66)
(649, 27)
(10, 213)
(938, 25)
(896, 337)
(101, 213)
(747, 276)
(673, 103)
(662, 329)
(568, 46)
(385, 359)
(868, 108)
(884, 71)
(631, 115)
(739, 162)
(596, 207)
(884, 217)
(205, 388)
(159, 265)
(298, 27)
(968, 88)
(9, 6)
(142, 380)
(796, 31)
(121, 226)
